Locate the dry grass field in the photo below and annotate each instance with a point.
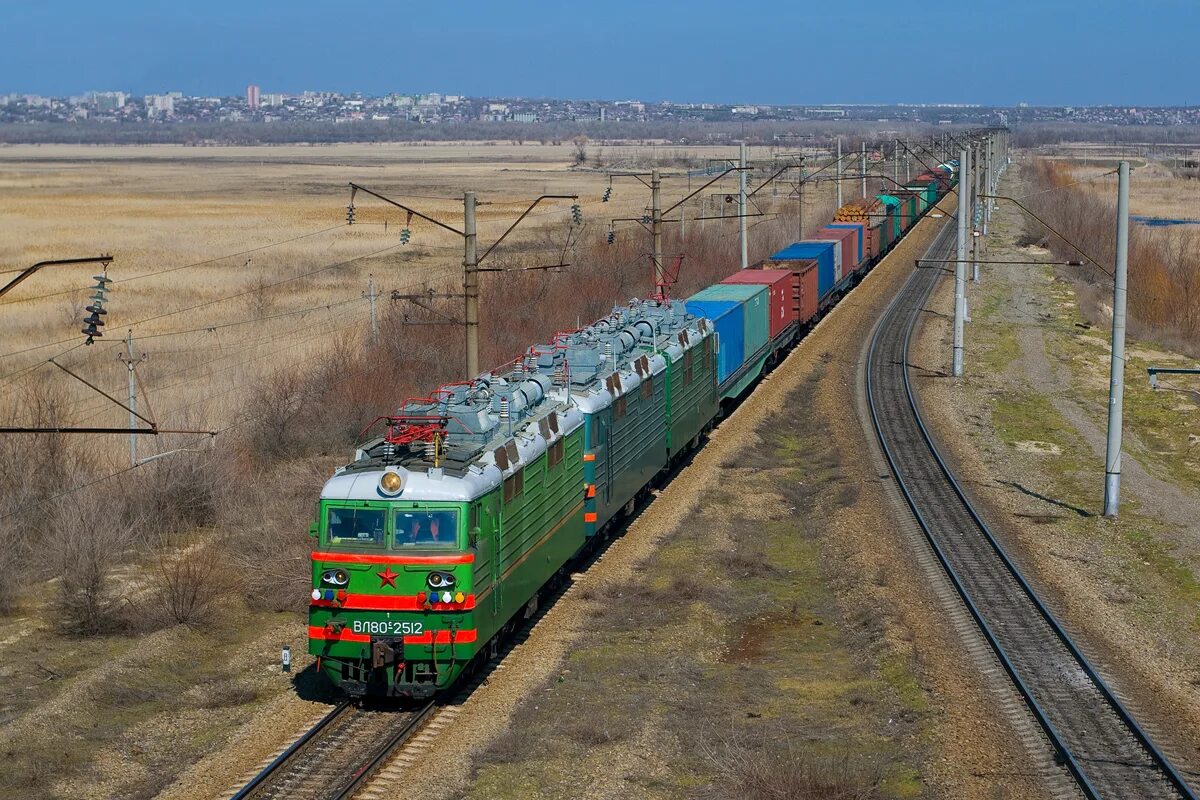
(151, 603)
(1153, 190)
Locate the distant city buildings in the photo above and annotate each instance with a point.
(440, 108)
(161, 105)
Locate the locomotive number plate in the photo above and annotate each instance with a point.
(388, 628)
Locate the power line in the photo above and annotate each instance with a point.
(208, 374)
(356, 323)
(269, 339)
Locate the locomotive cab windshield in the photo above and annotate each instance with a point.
(420, 528)
(393, 526)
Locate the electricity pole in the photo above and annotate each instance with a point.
(742, 206)
(656, 225)
(1116, 387)
(960, 267)
(989, 159)
(131, 363)
(907, 162)
(371, 295)
(863, 169)
(471, 258)
(471, 284)
(976, 177)
(800, 194)
(838, 173)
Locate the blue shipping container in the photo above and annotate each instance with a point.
(861, 233)
(824, 253)
(726, 317)
(756, 311)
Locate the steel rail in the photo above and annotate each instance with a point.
(917, 289)
(284, 757)
(345, 787)
(403, 735)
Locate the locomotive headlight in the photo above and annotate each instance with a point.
(336, 577)
(391, 483)
(440, 580)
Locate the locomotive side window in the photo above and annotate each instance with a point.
(361, 526)
(421, 528)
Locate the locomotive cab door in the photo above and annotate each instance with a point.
(603, 449)
(491, 535)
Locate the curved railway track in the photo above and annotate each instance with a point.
(335, 757)
(1093, 735)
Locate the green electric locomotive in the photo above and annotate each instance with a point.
(443, 530)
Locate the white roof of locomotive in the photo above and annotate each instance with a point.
(484, 475)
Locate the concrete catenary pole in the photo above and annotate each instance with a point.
(960, 267)
(130, 364)
(471, 284)
(656, 227)
(977, 168)
(742, 207)
(863, 169)
(371, 299)
(989, 180)
(837, 174)
(800, 199)
(907, 162)
(1116, 385)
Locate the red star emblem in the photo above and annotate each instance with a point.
(387, 577)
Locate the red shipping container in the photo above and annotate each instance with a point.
(806, 296)
(779, 283)
(849, 240)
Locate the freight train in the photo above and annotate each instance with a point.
(442, 533)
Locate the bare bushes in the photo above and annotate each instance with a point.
(89, 539)
(265, 518)
(779, 769)
(34, 467)
(178, 491)
(189, 584)
(272, 409)
(1164, 266)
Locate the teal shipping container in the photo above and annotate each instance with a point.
(894, 215)
(756, 311)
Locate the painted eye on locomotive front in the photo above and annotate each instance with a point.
(440, 580)
(335, 577)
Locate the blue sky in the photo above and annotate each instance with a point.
(1049, 52)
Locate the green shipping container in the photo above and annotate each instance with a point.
(756, 311)
(893, 204)
(927, 192)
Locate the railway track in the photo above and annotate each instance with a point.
(338, 755)
(1092, 734)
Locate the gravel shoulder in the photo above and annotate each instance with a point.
(1025, 431)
